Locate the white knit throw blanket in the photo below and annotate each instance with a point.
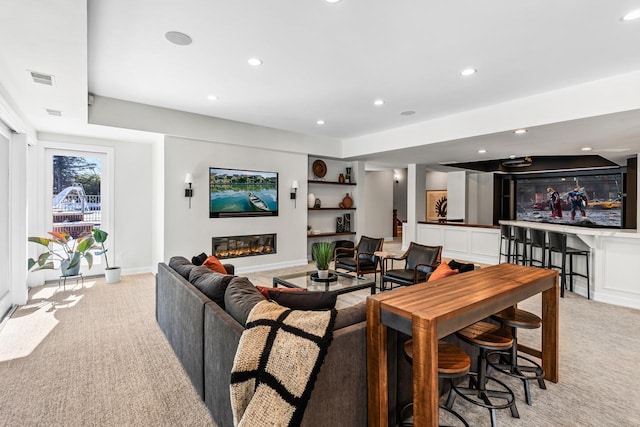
(276, 364)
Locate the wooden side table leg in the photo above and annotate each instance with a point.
(550, 331)
(425, 372)
(377, 375)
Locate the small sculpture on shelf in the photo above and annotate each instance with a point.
(346, 223)
(339, 225)
(317, 204)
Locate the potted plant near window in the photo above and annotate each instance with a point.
(111, 274)
(322, 253)
(63, 249)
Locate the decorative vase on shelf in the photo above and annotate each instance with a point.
(349, 175)
(341, 178)
(311, 200)
(347, 201)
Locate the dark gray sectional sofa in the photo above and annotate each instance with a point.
(204, 333)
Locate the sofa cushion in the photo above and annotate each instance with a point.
(199, 259)
(311, 301)
(214, 264)
(351, 315)
(443, 270)
(462, 267)
(181, 265)
(210, 283)
(240, 298)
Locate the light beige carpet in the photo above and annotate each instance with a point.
(95, 356)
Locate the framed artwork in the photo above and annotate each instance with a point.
(436, 209)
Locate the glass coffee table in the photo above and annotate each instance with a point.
(344, 283)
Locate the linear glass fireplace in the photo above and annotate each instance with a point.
(243, 246)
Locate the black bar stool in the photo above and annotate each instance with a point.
(538, 240)
(506, 240)
(510, 362)
(521, 241)
(487, 337)
(558, 244)
(453, 362)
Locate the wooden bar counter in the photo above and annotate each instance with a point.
(430, 311)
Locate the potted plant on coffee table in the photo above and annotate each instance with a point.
(323, 253)
(63, 249)
(111, 274)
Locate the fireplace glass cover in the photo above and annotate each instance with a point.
(243, 246)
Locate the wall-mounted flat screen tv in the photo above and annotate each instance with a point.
(237, 193)
(594, 199)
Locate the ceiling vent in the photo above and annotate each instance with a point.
(42, 78)
(57, 113)
(518, 162)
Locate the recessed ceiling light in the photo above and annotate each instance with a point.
(482, 151)
(333, 1)
(586, 148)
(513, 156)
(631, 15)
(320, 122)
(408, 113)
(378, 102)
(468, 72)
(212, 98)
(178, 38)
(520, 131)
(255, 62)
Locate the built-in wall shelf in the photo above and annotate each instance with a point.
(311, 236)
(313, 181)
(332, 209)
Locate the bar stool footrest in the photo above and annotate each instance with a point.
(482, 397)
(531, 371)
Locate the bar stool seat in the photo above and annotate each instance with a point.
(506, 242)
(558, 244)
(453, 362)
(488, 337)
(521, 242)
(538, 240)
(510, 362)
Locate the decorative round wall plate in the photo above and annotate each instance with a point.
(319, 168)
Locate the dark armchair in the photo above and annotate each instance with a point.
(420, 261)
(363, 260)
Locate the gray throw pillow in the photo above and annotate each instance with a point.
(240, 298)
(210, 283)
(181, 265)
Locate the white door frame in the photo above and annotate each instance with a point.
(44, 220)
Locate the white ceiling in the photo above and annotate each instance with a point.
(324, 61)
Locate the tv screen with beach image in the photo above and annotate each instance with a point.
(235, 192)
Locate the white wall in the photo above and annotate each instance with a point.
(378, 204)
(457, 195)
(188, 232)
(436, 180)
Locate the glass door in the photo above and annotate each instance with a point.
(77, 199)
(5, 282)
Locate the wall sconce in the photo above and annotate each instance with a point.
(188, 192)
(396, 178)
(294, 192)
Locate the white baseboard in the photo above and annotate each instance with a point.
(615, 299)
(139, 270)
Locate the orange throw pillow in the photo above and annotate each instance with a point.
(214, 264)
(443, 270)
